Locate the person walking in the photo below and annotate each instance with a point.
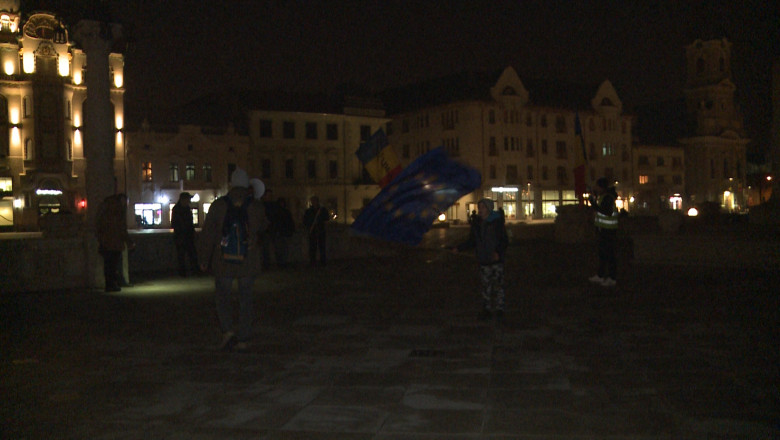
(314, 220)
(111, 232)
(606, 221)
(489, 238)
(184, 235)
(228, 248)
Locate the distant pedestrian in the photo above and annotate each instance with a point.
(488, 236)
(184, 235)
(314, 220)
(111, 232)
(228, 247)
(283, 230)
(603, 200)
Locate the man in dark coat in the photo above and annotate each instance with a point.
(184, 234)
(314, 220)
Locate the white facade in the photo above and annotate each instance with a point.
(302, 154)
(526, 153)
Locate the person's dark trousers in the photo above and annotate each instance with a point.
(607, 239)
(111, 260)
(186, 250)
(317, 242)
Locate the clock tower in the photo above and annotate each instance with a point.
(715, 148)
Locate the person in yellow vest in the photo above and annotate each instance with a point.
(602, 200)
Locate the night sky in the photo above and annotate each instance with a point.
(181, 49)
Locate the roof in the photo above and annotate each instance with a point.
(475, 86)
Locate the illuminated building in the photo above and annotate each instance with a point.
(715, 146)
(42, 93)
(523, 141)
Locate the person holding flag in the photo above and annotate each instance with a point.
(314, 220)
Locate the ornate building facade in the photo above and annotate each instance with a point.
(42, 95)
(524, 143)
(715, 147)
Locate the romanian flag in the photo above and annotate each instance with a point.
(379, 158)
(405, 210)
(581, 159)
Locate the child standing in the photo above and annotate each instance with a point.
(488, 236)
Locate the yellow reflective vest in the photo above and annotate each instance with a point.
(606, 221)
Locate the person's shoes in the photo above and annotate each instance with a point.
(608, 282)
(485, 315)
(596, 279)
(242, 347)
(228, 340)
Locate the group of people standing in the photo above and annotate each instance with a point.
(489, 238)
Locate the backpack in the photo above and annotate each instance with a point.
(235, 232)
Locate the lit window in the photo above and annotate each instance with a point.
(147, 172)
(207, 172)
(189, 171)
(643, 179)
(173, 172)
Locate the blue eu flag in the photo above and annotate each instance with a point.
(406, 208)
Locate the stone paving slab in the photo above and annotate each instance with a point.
(390, 348)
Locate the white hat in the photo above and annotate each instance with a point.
(258, 186)
(239, 178)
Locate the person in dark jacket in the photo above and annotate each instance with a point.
(111, 231)
(488, 236)
(606, 221)
(314, 220)
(184, 235)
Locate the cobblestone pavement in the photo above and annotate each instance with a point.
(391, 348)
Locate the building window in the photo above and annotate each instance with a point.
(146, 172)
(529, 148)
(332, 132)
(311, 168)
(506, 143)
(560, 124)
(530, 172)
(173, 172)
(492, 171)
(677, 179)
(492, 150)
(207, 177)
(492, 117)
(545, 173)
(511, 174)
(659, 161)
(562, 176)
(643, 178)
(560, 150)
(26, 107)
(265, 168)
(544, 147)
(266, 128)
(189, 171)
(311, 130)
(365, 133)
(333, 169)
(289, 169)
(543, 121)
(607, 150)
(288, 130)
